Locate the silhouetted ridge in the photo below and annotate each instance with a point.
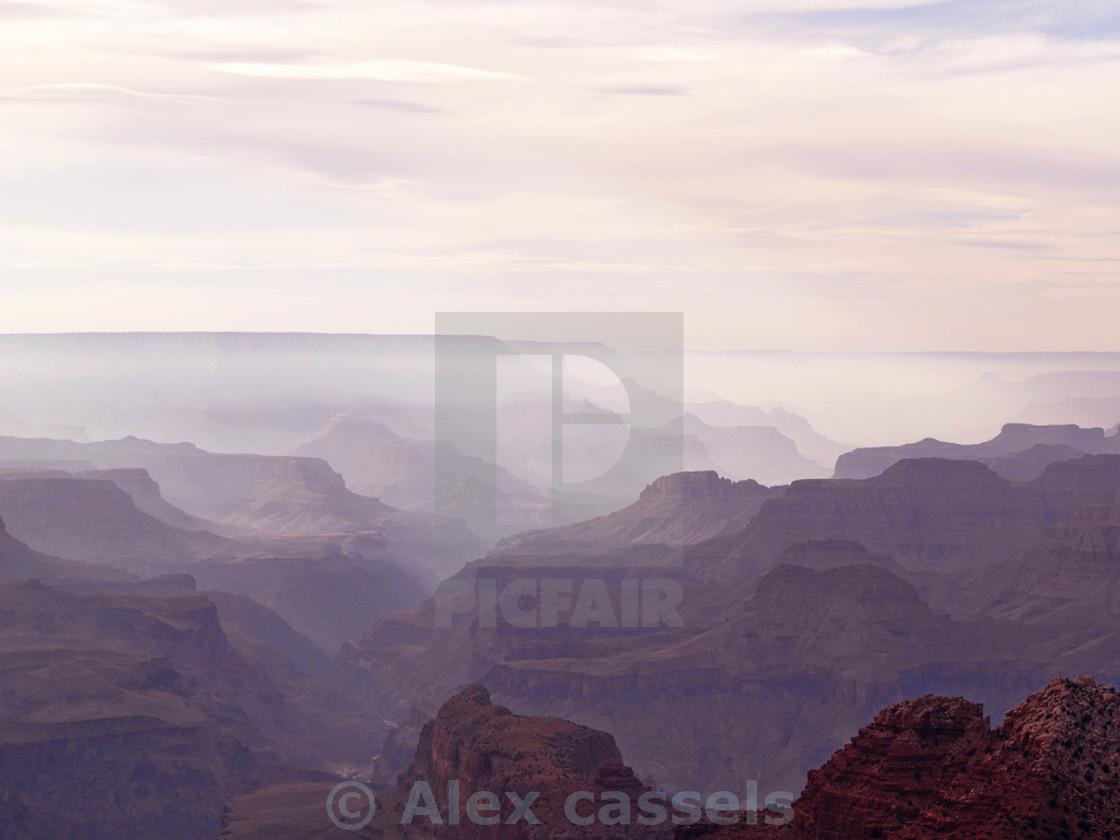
(1020, 451)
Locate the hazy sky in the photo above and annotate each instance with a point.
(805, 174)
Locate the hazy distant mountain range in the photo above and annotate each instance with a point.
(202, 638)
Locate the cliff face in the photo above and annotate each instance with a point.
(1069, 582)
(486, 747)
(20, 562)
(1007, 452)
(933, 516)
(357, 559)
(125, 777)
(927, 514)
(326, 595)
(812, 651)
(129, 712)
(676, 509)
(330, 589)
(96, 521)
(480, 747)
(424, 475)
(775, 687)
(933, 767)
(763, 693)
(146, 495)
(267, 493)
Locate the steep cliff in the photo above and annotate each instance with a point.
(676, 509)
(486, 747)
(933, 767)
(1020, 451)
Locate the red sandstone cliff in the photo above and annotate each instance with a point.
(933, 767)
(486, 747)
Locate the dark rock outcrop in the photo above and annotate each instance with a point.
(763, 693)
(486, 747)
(471, 746)
(933, 767)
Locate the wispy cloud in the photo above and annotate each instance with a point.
(94, 90)
(398, 105)
(387, 70)
(647, 90)
(23, 11)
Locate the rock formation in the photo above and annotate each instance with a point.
(1019, 452)
(263, 493)
(486, 747)
(470, 750)
(933, 767)
(677, 509)
(764, 692)
(940, 519)
(127, 710)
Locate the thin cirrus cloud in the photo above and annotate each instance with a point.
(647, 90)
(387, 70)
(399, 105)
(95, 90)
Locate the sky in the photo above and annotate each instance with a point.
(790, 174)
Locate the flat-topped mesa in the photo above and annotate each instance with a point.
(851, 581)
(1018, 436)
(929, 514)
(93, 519)
(698, 483)
(845, 596)
(1057, 442)
(133, 480)
(830, 553)
(948, 473)
(1091, 478)
(682, 508)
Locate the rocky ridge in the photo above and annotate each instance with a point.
(933, 767)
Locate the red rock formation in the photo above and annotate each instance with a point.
(775, 682)
(933, 767)
(765, 693)
(488, 748)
